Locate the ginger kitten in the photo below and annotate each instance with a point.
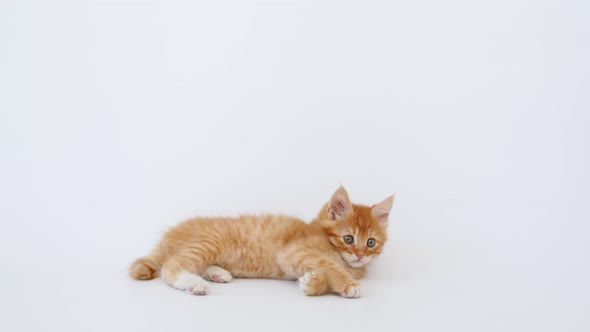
(326, 255)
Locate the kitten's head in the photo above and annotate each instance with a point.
(358, 232)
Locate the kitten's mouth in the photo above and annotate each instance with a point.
(356, 262)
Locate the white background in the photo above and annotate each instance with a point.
(121, 118)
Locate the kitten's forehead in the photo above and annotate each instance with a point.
(362, 223)
(363, 228)
(362, 217)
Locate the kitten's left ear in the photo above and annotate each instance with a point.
(340, 205)
(381, 211)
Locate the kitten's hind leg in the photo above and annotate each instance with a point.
(216, 274)
(178, 273)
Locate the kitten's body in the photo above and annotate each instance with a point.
(271, 246)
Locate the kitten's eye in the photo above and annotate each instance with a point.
(371, 242)
(348, 239)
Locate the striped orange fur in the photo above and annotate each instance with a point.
(327, 255)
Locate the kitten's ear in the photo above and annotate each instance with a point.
(381, 211)
(340, 205)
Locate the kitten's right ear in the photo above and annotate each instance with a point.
(381, 210)
(340, 205)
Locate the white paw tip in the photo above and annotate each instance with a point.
(304, 281)
(217, 274)
(352, 292)
(199, 289)
(192, 283)
(221, 278)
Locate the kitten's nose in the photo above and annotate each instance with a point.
(360, 256)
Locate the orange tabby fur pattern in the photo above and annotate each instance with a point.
(327, 255)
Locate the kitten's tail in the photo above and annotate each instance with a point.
(146, 268)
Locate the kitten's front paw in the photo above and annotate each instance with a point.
(313, 283)
(352, 290)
